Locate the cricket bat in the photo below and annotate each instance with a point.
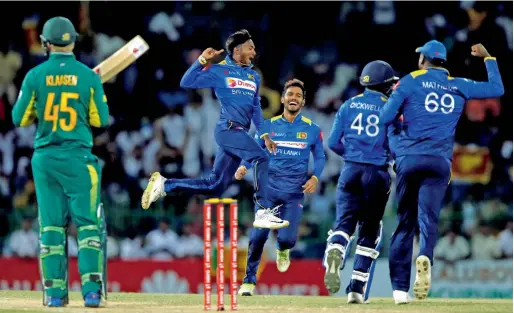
(121, 59)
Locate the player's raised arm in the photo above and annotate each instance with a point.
(98, 109)
(24, 110)
(337, 132)
(199, 74)
(490, 89)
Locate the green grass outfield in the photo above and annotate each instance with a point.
(30, 301)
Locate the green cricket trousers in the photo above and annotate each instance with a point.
(68, 186)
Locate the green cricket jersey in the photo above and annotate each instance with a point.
(67, 98)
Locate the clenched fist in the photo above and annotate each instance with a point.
(479, 51)
(241, 172)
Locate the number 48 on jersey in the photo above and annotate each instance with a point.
(371, 125)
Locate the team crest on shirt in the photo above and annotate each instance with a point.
(250, 76)
(301, 135)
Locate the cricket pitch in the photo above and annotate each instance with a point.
(30, 301)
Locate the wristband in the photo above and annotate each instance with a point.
(202, 60)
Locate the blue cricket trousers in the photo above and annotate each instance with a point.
(291, 210)
(421, 185)
(234, 144)
(361, 196)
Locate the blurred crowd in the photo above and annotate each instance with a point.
(157, 126)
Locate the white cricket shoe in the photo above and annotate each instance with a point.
(268, 219)
(283, 260)
(355, 298)
(154, 190)
(246, 290)
(423, 277)
(401, 297)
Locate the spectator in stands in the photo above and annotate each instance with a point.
(190, 244)
(484, 245)
(161, 243)
(506, 240)
(24, 242)
(452, 247)
(132, 247)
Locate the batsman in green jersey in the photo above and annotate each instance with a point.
(66, 98)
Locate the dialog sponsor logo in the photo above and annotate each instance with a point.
(239, 83)
(291, 144)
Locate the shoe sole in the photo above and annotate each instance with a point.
(246, 293)
(354, 301)
(422, 283)
(332, 279)
(283, 269)
(145, 201)
(272, 226)
(92, 305)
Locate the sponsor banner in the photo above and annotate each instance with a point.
(177, 276)
(465, 279)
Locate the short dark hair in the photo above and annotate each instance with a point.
(294, 83)
(235, 39)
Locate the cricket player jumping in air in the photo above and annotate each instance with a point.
(364, 183)
(296, 137)
(67, 99)
(237, 86)
(431, 102)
